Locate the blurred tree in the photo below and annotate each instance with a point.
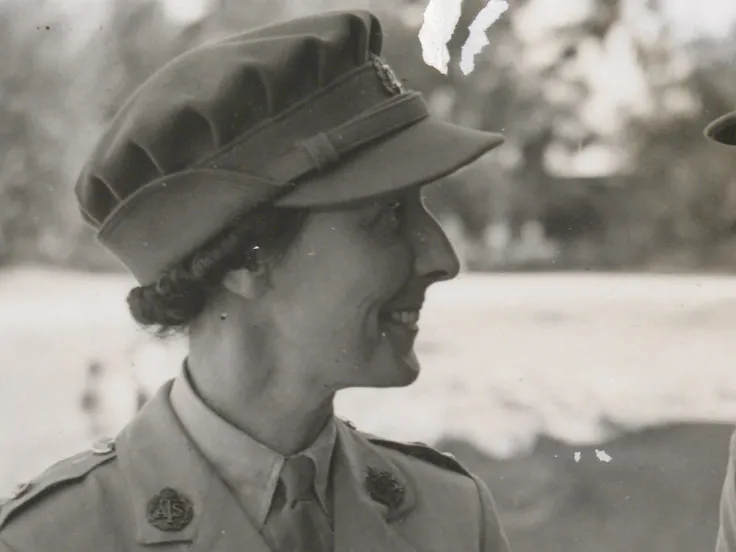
(136, 37)
(32, 131)
(680, 209)
(604, 75)
(599, 76)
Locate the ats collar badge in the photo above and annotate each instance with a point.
(169, 511)
(383, 488)
(388, 78)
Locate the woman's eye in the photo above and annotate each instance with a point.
(388, 217)
(395, 213)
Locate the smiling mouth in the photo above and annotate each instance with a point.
(406, 319)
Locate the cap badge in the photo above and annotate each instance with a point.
(388, 78)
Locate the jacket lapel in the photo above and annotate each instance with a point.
(362, 523)
(156, 454)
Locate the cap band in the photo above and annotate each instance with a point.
(257, 168)
(326, 148)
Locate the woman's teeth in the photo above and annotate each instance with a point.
(408, 318)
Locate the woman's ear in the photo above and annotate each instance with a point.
(249, 284)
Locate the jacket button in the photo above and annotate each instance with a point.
(19, 490)
(103, 446)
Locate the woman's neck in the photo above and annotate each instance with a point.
(269, 402)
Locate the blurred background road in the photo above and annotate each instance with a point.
(582, 364)
(541, 383)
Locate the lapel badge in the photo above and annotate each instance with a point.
(383, 488)
(169, 511)
(388, 78)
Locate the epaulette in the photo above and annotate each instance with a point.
(57, 476)
(422, 451)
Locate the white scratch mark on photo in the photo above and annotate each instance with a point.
(603, 455)
(577, 457)
(440, 19)
(477, 38)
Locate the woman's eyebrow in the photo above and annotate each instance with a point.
(381, 203)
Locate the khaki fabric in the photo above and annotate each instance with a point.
(727, 532)
(101, 503)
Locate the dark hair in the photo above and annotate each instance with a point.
(177, 297)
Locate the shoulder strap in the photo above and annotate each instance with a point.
(60, 474)
(424, 452)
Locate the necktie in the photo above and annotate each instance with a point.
(296, 522)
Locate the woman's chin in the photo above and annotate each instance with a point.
(389, 368)
(407, 369)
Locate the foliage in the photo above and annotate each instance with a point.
(672, 199)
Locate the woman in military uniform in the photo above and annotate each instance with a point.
(265, 192)
(723, 130)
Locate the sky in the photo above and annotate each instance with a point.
(694, 18)
(186, 10)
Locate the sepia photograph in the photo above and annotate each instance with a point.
(368, 275)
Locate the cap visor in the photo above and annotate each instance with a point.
(723, 129)
(423, 153)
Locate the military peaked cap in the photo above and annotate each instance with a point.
(303, 113)
(723, 129)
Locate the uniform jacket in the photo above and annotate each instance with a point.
(387, 496)
(727, 532)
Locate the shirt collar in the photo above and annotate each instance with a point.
(247, 466)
